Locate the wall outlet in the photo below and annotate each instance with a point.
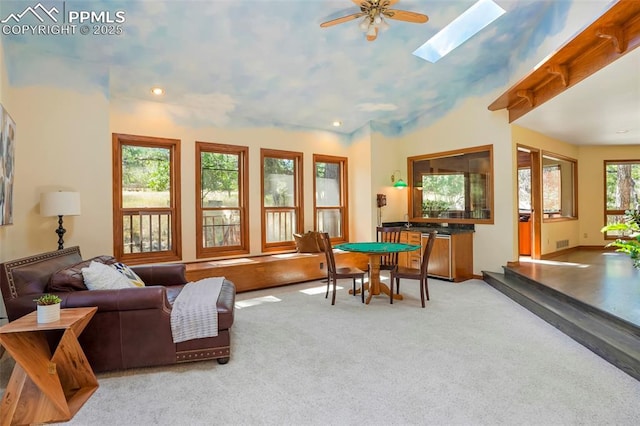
(585, 235)
(321, 265)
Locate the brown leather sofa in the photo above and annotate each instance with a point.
(132, 327)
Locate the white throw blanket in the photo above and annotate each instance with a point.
(194, 314)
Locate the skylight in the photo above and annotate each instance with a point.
(461, 29)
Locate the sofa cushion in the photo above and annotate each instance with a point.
(71, 279)
(128, 272)
(99, 276)
(309, 242)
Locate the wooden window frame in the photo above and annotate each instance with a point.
(612, 212)
(414, 192)
(173, 145)
(574, 195)
(243, 176)
(344, 194)
(297, 157)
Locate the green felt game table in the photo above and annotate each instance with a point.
(374, 250)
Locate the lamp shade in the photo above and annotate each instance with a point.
(60, 203)
(400, 184)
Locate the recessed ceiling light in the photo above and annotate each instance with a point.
(620, 132)
(337, 123)
(157, 91)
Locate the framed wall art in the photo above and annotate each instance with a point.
(7, 149)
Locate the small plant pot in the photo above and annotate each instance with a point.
(48, 313)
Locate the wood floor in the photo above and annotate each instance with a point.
(603, 279)
(591, 295)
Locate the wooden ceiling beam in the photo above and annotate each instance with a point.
(611, 36)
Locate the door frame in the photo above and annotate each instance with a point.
(535, 157)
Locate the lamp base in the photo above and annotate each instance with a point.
(60, 231)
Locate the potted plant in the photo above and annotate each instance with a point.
(630, 228)
(48, 307)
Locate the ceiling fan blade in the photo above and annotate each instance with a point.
(373, 36)
(403, 15)
(341, 20)
(382, 2)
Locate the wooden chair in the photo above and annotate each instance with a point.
(334, 273)
(388, 234)
(414, 274)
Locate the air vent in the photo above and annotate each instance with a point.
(562, 244)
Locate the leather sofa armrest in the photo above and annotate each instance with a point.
(164, 274)
(126, 299)
(21, 306)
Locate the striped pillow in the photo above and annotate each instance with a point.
(128, 272)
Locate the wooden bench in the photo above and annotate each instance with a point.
(258, 272)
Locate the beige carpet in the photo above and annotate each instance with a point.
(472, 357)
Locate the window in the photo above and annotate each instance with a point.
(453, 186)
(524, 189)
(146, 199)
(281, 198)
(558, 188)
(330, 201)
(552, 184)
(222, 224)
(621, 191)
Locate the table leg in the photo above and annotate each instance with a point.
(375, 286)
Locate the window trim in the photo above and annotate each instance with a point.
(243, 187)
(575, 187)
(615, 212)
(298, 180)
(173, 145)
(344, 193)
(414, 192)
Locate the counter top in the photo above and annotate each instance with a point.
(425, 229)
(444, 230)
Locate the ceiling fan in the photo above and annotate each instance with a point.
(374, 13)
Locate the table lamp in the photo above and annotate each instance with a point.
(60, 203)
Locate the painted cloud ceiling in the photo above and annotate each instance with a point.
(259, 63)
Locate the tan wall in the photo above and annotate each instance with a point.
(361, 211)
(591, 187)
(153, 119)
(469, 125)
(389, 157)
(63, 142)
(551, 232)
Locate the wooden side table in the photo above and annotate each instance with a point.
(44, 387)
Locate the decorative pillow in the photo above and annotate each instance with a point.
(128, 272)
(309, 242)
(71, 279)
(99, 276)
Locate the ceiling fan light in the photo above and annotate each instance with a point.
(371, 31)
(364, 25)
(377, 19)
(383, 25)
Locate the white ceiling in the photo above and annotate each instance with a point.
(594, 110)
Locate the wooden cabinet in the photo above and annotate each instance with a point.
(524, 238)
(411, 259)
(440, 260)
(451, 258)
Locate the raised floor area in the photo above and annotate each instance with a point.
(591, 295)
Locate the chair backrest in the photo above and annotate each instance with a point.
(328, 251)
(427, 253)
(388, 234)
